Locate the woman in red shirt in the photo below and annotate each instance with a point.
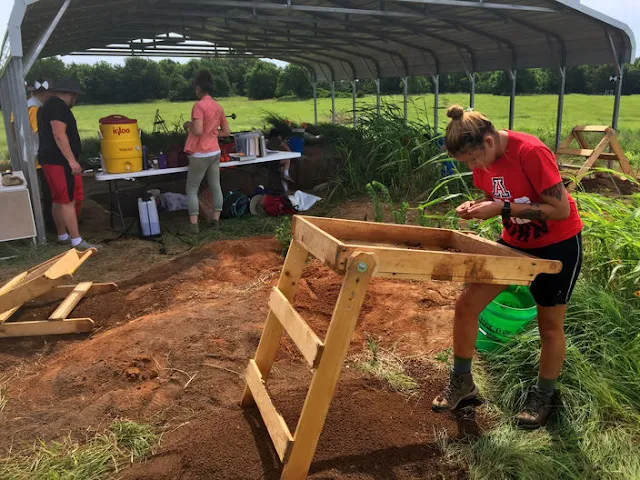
(521, 182)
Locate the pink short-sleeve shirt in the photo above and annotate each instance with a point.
(211, 114)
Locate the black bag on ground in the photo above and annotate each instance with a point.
(235, 205)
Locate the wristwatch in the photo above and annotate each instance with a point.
(506, 212)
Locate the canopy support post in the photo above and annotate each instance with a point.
(617, 62)
(333, 101)
(436, 101)
(42, 41)
(377, 81)
(354, 90)
(513, 74)
(24, 139)
(8, 126)
(563, 81)
(405, 81)
(472, 95)
(616, 103)
(314, 85)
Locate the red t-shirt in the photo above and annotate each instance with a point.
(526, 169)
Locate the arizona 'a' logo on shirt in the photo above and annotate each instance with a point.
(499, 188)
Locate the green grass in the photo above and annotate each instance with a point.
(597, 430)
(387, 367)
(534, 114)
(121, 444)
(596, 434)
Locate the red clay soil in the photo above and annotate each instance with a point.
(170, 347)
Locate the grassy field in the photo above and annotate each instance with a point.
(534, 114)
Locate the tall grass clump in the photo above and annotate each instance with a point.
(405, 157)
(121, 444)
(596, 432)
(612, 237)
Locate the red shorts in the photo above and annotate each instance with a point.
(65, 186)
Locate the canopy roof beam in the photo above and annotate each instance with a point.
(270, 31)
(35, 52)
(289, 6)
(480, 4)
(303, 48)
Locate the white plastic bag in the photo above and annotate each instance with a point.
(303, 201)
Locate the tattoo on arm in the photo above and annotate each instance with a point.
(556, 191)
(534, 214)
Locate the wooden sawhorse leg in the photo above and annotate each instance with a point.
(273, 329)
(296, 451)
(336, 345)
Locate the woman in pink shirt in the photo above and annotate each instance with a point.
(208, 122)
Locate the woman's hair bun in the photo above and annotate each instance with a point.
(455, 112)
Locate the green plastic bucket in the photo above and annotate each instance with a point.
(507, 315)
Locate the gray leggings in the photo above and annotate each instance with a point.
(198, 168)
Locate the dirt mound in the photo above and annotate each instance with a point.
(415, 316)
(170, 349)
(369, 434)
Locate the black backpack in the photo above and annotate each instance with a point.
(235, 205)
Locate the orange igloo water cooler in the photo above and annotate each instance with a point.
(120, 144)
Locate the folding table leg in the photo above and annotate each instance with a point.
(117, 193)
(111, 198)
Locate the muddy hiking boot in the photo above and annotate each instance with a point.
(461, 387)
(536, 410)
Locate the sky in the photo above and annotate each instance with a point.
(623, 10)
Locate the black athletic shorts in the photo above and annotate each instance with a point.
(550, 290)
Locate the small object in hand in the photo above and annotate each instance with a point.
(10, 180)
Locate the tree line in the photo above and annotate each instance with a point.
(141, 79)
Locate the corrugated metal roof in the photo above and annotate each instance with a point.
(341, 39)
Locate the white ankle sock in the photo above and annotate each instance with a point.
(76, 241)
(63, 238)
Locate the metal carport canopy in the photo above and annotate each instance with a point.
(341, 39)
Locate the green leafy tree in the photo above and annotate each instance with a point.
(81, 73)
(103, 84)
(237, 69)
(391, 86)
(526, 82)
(631, 83)
(294, 80)
(419, 84)
(180, 89)
(262, 81)
(46, 69)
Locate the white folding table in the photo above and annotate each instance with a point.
(112, 178)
